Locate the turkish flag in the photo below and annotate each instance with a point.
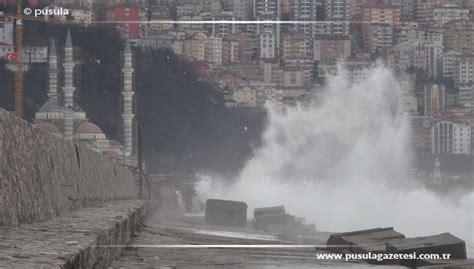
(11, 57)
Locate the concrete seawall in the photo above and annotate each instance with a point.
(42, 176)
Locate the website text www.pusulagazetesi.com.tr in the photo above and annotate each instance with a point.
(381, 256)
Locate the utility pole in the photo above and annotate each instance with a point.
(19, 66)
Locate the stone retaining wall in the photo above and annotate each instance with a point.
(42, 175)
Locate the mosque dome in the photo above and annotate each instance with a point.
(47, 127)
(52, 106)
(88, 128)
(112, 154)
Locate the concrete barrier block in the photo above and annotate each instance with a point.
(363, 241)
(311, 228)
(263, 211)
(225, 212)
(263, 222)
(445, 243)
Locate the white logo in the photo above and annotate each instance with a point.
(47, 11)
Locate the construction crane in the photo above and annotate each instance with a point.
(19, 47)
(19, 64)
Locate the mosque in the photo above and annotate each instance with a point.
(62, 116)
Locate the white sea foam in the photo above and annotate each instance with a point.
(342, 162)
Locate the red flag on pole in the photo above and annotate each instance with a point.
(11, 57)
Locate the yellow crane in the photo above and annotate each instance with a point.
(19, 47)
(19, 65)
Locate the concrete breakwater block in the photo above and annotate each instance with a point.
(274, 220)
(265, 221)
(363, 241)
(264, 211)
(388, 241)
(440, 244)
(225, 212)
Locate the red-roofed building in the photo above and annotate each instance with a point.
(127, 18)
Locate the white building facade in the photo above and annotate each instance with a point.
(451, 138)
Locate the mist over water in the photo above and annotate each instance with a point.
(342, 162)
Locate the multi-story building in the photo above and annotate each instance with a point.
(237, 48)
(268, 66)
(421, 11)
(223, 29)
(403, 56)
(195, 47)
(459, 36)
(5, 49)
(35, 54)
(196, 7)
(448, 13)
(466, 94)
(243, 9)
(451, 137)
(434, 98)
(356, 8)
(269, 27)
(6, 29)
(406, 9)
(377, 36)
(329, 46)
(382, 14)
(358, 70)
(296, 54)
(80, 13)
(213, 53)
(160, 10)
(125, 14)
(293, 77)
(268, 7)
(191, 28)
(464, 78)
(410, 33)
(326, 68)
(294, 46)
(449, 60)
(212, 7)
(422, 55)
(245, 97)
(188, 9)
(421, 130)
(336, 10)
(305, 10)
(331, 27)
(267, 45)
(464, 69)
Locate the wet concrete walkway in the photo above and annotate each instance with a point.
(172, 240)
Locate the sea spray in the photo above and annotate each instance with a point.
(343, 162)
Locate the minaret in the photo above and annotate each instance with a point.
(53, 70)
(127, 94)
(68, 124)
(68, 65)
